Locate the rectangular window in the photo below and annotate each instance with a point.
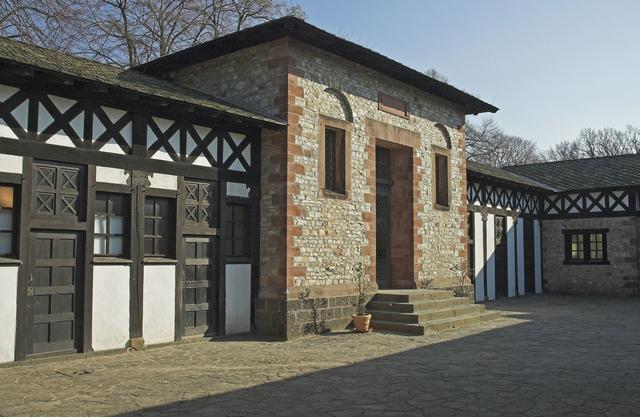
(237, 230)
(159, 227)
(334, 160)
(585, 246)
(7, 220)
(442, 180)
(110, 224)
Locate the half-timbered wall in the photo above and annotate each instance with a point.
(593, 203)
(498, 214)
(60, 147)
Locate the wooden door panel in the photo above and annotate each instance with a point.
(54, 303)
(383, 217)
(200, 289)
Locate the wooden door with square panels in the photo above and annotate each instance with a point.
(200, 291)
(54, 300)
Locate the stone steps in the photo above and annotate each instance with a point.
(411, 296)
(435, 325)
(424, 311)
(417, 306)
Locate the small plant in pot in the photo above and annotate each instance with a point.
(361, 318)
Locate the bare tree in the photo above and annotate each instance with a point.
(488, 144)
(562, 151)
(593, 143)
(130, 32)
(435, 74)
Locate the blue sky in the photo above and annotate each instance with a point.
(552, 67)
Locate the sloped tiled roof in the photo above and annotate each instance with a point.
(582, 174)
(12, 51)
(296, 28)
(483, 170)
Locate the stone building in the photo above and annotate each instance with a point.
(352, 179)
(203, 193)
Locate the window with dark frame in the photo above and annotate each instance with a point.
(159, 225)
(7, 220)
(236, 230)
(334, 160)
(586, 246)
(110, 224)
(442, 180)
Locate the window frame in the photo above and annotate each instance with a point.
(229, 234)
(446, 153)
(325, 123)
(126, 225)
(15, 221)
(586, 249)
(171, 229)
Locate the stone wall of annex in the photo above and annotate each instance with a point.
(309, 240)
(620, 277)
(337, 233)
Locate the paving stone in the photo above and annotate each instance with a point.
(548, 355)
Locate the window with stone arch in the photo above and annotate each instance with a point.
(441, 172)
(334, 150)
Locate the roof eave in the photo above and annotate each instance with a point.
(258, 121)
(300, 30)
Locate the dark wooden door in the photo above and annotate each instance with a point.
(501, 256)
(200, 291)
(383, 217)
(54, 300)
(529, 257)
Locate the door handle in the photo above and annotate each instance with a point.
(30, 286)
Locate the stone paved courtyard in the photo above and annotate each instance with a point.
(549, 355)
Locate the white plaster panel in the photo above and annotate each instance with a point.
(491, 257)
(11, 163)
(110, 315)
(7, 91)
(158, 306)
(511, 258)
(8, 311)
(520, 251)
(478, 256)
(236, 189)
(162, 155)
(98, 127)
(238, 298)
(112, 147)
(61, 103)
(237, 138)
(114, 114)
(164, 181)
(537, 256)
(112, 175)
(5, 131)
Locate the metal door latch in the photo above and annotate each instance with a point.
(30, 286)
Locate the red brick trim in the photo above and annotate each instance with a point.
(376, 130)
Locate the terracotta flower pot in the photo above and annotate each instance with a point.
(361, 323)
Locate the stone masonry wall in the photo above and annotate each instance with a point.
(618, 278)
(312, 241)
(328, 258)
